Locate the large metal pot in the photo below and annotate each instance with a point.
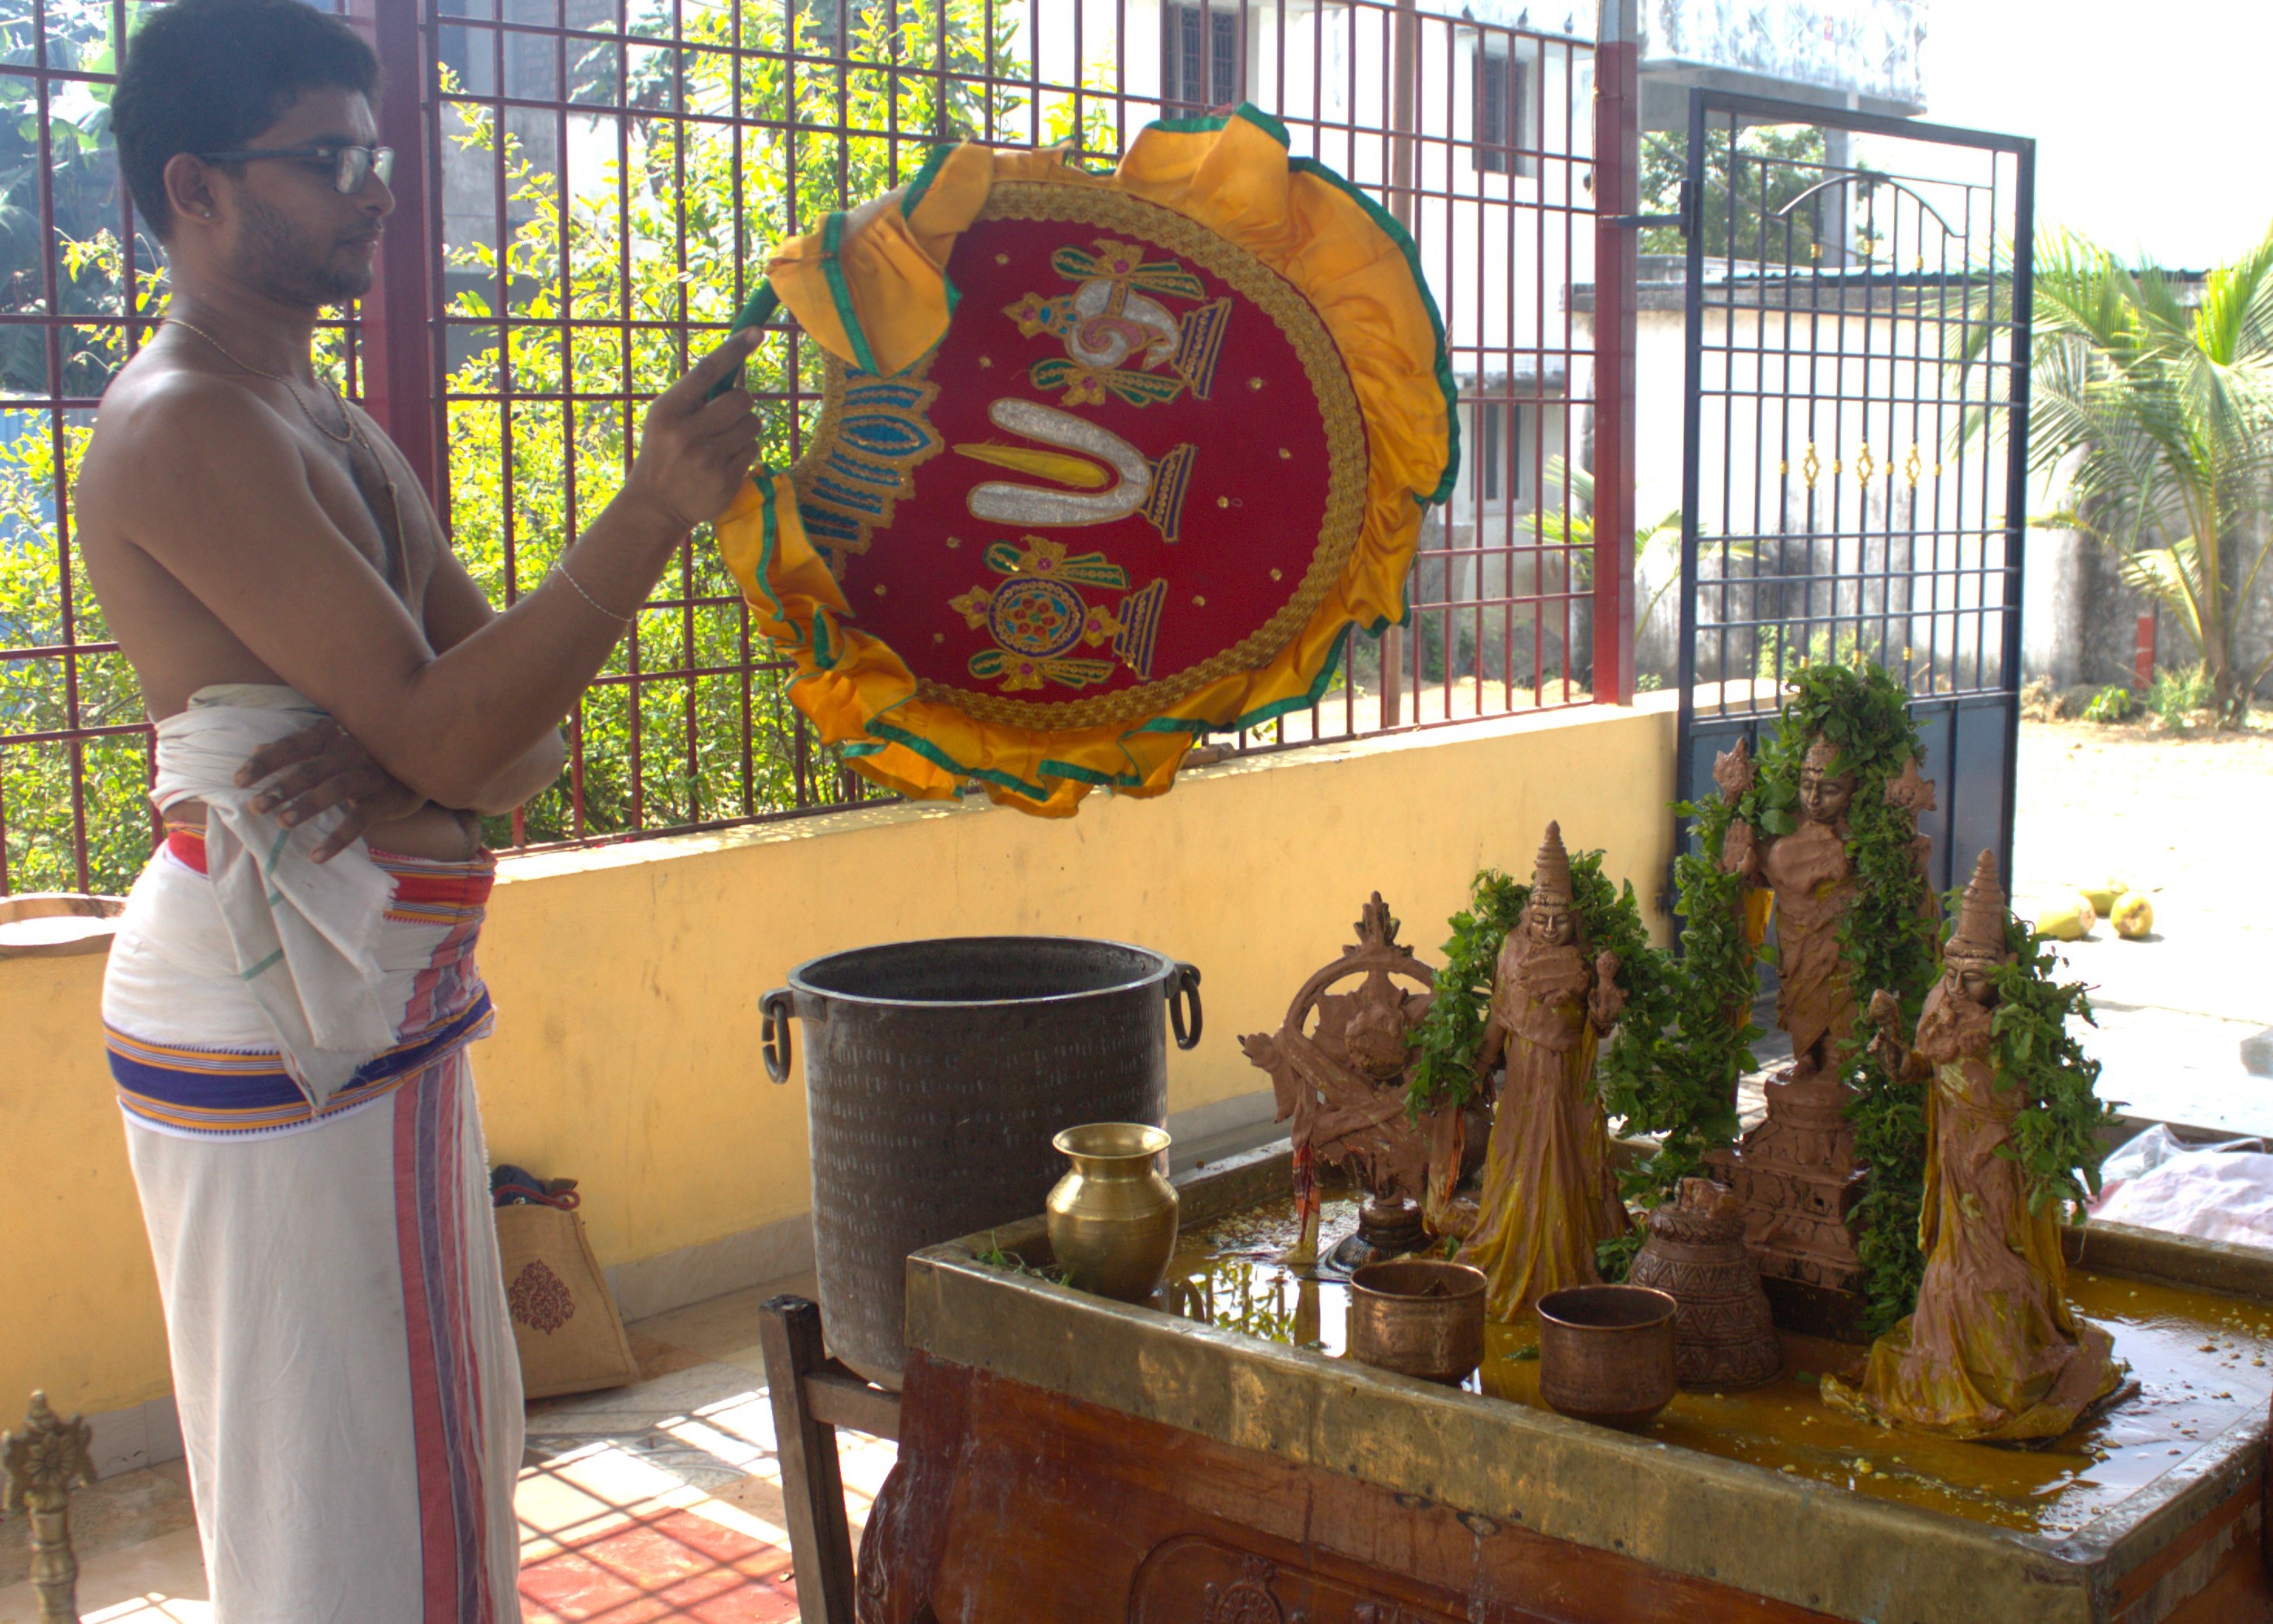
(936, 1074)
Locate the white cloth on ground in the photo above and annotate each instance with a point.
(304, 934)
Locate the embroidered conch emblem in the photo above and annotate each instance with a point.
(1086, 492)
(1117, 335)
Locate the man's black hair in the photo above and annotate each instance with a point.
(211, 75)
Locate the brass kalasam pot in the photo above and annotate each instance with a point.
(1113, 1219)
(1418, 1316)
(1606, 1353)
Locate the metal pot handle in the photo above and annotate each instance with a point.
(1184, 988)
(775, 1010)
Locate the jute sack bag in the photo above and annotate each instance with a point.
(565, 1324)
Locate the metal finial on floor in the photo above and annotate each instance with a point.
(41, 1465)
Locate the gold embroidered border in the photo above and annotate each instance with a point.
(1344, 518)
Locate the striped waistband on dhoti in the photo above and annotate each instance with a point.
(236, 1092)
(169, 1082)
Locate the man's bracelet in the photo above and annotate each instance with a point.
(561, 566)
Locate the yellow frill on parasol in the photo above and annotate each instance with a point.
(871, 289)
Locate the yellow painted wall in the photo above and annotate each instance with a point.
(627, 980)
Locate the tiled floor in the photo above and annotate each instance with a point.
(648, 1503)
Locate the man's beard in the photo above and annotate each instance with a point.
(275, 259)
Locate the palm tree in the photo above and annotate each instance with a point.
(1578, 534)
(2169, 413)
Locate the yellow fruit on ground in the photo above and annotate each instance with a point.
(2133, 916)
(2070, 922)
(2103, 897)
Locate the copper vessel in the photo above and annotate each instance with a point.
(1724, 1334)
(1112, 1220)
(1606, 1353)
(1420, 1316)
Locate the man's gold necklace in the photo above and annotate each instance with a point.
(354, 436)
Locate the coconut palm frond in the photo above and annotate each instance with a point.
(2172, 577)
(2236, 312)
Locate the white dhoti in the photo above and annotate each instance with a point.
(349, 1395)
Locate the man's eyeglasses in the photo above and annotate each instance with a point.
(350, 165)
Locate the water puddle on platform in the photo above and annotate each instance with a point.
(2202, 1363)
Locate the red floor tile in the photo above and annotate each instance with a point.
(672, 1565)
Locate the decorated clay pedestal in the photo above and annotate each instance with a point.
(1724, 1334)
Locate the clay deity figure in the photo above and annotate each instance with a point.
(1340, 1066)
(1549, 1194)
(1993, 1350)
(1813, 880)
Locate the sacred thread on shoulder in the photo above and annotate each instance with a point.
(1085, 493)
(1112, 317)
(1038, 619)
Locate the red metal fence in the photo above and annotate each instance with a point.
(583, 189)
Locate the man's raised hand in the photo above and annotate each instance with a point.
(694, 452)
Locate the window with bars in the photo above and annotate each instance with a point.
(1201, 64)
(1501, 125)
(1499, 442)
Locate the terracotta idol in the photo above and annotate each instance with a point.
(1339, 1068)
(1795, 1172)
(1549, 1195)
(1993, 1350)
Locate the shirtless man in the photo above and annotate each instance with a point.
(291, 994)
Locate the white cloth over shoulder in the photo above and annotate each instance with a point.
(305, 934)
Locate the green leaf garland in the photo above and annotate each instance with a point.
(2057, 1135)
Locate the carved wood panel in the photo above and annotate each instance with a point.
(1191, 1580)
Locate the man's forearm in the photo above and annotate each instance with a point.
(527, 776)
(497, 697)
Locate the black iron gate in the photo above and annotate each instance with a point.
(1856, 442)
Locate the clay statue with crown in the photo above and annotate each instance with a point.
(1799, 1178)
(1549, 1195)
(1993, 1350)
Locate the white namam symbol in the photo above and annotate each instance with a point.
(1082, 493)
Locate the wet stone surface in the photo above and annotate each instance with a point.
(2203, 1363)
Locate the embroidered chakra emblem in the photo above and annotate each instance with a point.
(1037, 618)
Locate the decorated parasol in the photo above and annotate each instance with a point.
(1103, 463)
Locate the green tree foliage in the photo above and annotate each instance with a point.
(2167, 409)
(43, 605)
(1764, 171)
